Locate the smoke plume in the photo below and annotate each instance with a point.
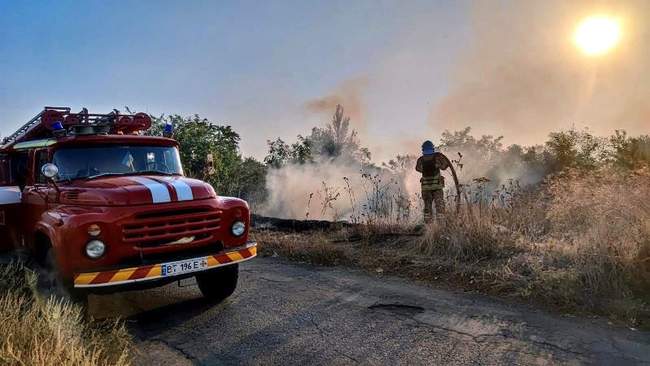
(520, 76)
(348, 94)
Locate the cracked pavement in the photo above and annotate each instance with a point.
(285, 313)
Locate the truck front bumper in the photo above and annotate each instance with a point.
(132, 275)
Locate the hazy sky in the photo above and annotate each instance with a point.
(252, 64)
(404, 70)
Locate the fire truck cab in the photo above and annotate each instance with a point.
(105, 208)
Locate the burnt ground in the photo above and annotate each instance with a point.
(285, 313)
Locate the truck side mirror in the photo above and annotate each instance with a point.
(4, 171)
(50, 171)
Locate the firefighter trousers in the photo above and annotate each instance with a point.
(430, 197)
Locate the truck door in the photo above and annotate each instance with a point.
(36, 193)
(10, 201)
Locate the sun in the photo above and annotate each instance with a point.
(596, 35)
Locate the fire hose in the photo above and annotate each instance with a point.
(455, 176)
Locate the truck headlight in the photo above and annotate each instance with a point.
(238, 228)
(95, 249)
(94, 230)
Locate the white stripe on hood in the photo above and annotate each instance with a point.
(183, 190)
(159, 191)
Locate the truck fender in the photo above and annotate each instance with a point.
(47, 226)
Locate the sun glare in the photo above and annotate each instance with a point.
(597, 35)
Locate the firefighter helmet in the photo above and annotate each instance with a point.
(428, 148)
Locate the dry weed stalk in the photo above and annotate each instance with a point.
(328, 195)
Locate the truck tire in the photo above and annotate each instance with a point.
(50, 282)
(218, 284)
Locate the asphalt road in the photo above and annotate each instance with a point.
(290, 314)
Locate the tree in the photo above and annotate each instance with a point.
(575, 149)
(337, 140)
(210, 153)
(301, 150)
(485, 147)
(629, 152)
(279, 153)
(252, 181)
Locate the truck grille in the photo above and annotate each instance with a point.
(171, 227)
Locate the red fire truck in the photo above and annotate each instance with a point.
(104, 208)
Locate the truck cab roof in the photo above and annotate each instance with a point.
(86, 140)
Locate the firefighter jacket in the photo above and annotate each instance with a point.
(430, 167)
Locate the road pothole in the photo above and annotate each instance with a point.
(401, 309)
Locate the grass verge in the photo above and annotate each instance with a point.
(50, 331)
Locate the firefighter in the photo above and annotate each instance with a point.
(430, 164)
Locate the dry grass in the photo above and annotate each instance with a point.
(466, 238)
(37, 331)
(311, 247)
(580, 242)
(604, 220)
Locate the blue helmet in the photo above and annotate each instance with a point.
(428, 148)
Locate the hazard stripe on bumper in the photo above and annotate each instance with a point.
(152, 272)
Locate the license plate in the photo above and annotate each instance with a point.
(185, 266)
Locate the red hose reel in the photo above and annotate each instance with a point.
(51, 117)
(127, 124)
(131, 124)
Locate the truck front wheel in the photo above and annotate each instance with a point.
(216, 285)
(50, 282)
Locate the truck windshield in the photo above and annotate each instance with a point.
(92, 162)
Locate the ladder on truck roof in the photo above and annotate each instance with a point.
(28, 127)
(82, 123)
